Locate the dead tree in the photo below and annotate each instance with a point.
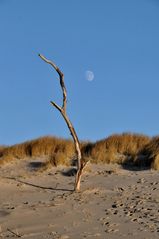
(62, 109)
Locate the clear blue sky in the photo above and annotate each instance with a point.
(117, 40)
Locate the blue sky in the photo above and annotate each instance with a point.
(117, 40)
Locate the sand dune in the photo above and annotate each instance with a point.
(113, 202)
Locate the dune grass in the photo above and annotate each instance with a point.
(125, 149)
(48, 146)
(151, 151)
(118, 147)
(1, 150)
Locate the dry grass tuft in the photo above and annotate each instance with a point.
(151, 151)
(63, 149)
(126, 149)
(1, 150)
(118, 148)
(60, 158)
(155, 162)
(6, 159)
(51, 145)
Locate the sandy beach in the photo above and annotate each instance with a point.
(113, 202)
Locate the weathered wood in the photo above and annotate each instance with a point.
(61, 76)
(62, 110)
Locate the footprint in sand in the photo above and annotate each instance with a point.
(4, 213)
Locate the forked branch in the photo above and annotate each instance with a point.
(62, 83)
(62, 110)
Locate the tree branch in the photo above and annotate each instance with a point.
(80, 165)
(61, 76)
(55, 105)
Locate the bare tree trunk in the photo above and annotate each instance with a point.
(62, 110)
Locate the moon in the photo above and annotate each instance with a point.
(89, 75)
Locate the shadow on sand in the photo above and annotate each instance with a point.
(38, 186)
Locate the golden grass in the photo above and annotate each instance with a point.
(6, 159)
(155, 162)
(118, 148)
(51, 145)
(151, 150)
(1, 150)
(42, 146)
(126, 149)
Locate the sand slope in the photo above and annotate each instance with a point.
(113, 203)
